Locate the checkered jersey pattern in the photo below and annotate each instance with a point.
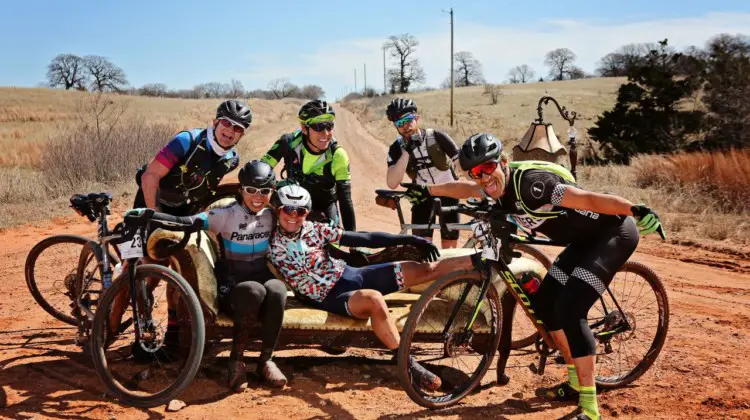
(557, 194)
(589, 278)
(305, 263)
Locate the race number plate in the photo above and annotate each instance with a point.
(490, 245)
(132, 248)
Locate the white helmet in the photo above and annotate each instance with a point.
(292, 195)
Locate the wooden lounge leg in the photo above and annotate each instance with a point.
(508, 304)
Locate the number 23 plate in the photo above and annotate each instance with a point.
(132, 248)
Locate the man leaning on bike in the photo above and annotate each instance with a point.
(600, 233)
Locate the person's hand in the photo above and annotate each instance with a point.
(416, 193)
(648, 220)
(429, 251)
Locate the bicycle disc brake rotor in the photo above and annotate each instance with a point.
(456, 344)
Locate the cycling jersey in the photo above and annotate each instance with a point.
(304, 262)
(243, 236)
(194, 170)
(431, 162)
(541, 191)
(325, 175)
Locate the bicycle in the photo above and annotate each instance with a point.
(52, 263)
(469, 304)
(524, 332)
(138, 370)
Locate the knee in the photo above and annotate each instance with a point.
(275, 291)
(375, 303)
(248, 293)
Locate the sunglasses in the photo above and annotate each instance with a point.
(227, 124)
(321, 126)
(405, 120)
(253, 190)
(295, 211)
(486, 168)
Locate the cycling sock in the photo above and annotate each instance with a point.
(587, 402)
(573, 377)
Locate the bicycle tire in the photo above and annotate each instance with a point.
(30, 272)
(191, 363)
(409, 332)
(529, 334)
(661, 332)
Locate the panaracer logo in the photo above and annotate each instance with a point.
(519, 291)
(236, 236)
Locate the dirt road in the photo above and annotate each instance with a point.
(703, 370)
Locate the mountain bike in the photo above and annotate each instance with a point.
(524, 333)
(630, 329)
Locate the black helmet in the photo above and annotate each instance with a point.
(291, 195)
(314, 109)
(399, 107)
(236, 111)
(257, 174)
(479, 148)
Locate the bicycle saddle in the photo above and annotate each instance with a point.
(390, 193)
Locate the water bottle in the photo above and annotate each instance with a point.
(530, 283)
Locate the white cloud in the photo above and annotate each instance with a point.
(498, 48)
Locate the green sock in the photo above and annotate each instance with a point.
(573, 377)
(587, 402)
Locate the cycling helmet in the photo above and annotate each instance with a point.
(479, 148)
(236, 111)
(399, 107)
(257, 174)
(292, 195)
(316, 111)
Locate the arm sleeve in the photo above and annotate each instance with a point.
(346, 206)
(213, 220)
(394, 153)
(374, 239)
(540, 188)
(274, 155)
(447, 145)
(175, 150)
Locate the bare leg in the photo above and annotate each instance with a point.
(562, 345)
(417, 273)
(369, 303)
(585, 366)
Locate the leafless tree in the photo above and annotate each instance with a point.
(576, 72)
(618, 62)
(104, 75)
(236, 90)
(560, 62)
(310, 92)
(66, 70)
(408, 70)
(213, 90)
(468, 69)
(153, 89)
(521, 74)
(494, 92)
(282, 88)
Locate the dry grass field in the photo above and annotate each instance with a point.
(702, 197)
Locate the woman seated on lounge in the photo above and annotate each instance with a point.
(247, 290)
(321, 281)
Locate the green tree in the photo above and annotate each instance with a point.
(647, 117)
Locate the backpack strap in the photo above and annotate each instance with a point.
(520, 167)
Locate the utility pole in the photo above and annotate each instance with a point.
(385, 88)
(453, 79)
(364, 90)
(355, 80)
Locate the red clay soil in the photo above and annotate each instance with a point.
(702, 372)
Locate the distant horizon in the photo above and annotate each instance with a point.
(179, 47)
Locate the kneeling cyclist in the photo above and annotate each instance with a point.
(598, 229)
(298, 250)
(247, 289)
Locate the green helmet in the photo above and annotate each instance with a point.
(316, 111)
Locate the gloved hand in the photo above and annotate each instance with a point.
(416, 193)
(648, 220)
(429, 251)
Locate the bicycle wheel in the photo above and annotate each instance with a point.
(50, 272)
(524, 333)
(460, 357)
(624, 356)
(145, 373)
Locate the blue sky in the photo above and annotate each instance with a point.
(189, 42)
